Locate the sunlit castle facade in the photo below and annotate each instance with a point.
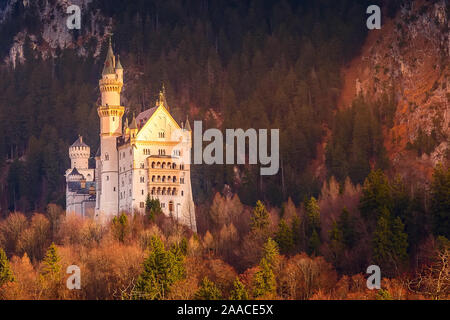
(149, 156)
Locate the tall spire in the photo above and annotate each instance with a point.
(110, 61)
(188, 126)
(162, 97)
(133, 124)
(118, 64)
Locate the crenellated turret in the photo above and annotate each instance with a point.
(79, 154)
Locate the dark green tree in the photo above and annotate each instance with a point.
(284, 237)
(152, 208)
(162, 268)
(390, 243)
(440, 201)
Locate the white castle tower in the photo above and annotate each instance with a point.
(80, 191)
(149, 158)
(110, 113)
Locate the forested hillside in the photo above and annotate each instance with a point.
(233, 64)
(364, 176)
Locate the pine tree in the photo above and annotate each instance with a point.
(152, 208)
(264, 280)
(208, 291)
(440, 201)
(390, 242)
(271, 253)
(239, 292)
(314, 243)
(346, 225)
(336, 241)
(260, 218)
(376, 194)
(52, 263)
(6, 274)
(284, 237)
(120, 227)
(162, 268)
(313, 214)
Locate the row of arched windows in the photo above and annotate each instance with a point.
(163, 165)
(164, 179)
(164, 191)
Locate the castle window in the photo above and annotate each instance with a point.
(161, 134)
(141, 204)
(142, 179)
(142, 165)
(106, 156)
(142, 192)
(182, 193)
(114, 189)
(163, 205)
(174, 166)
(114, 119)
(107, 178)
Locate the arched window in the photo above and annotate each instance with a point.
(163, 179)
(106, 156)
(174, 165)
(153, 164)
(174, 179)
(174, 191)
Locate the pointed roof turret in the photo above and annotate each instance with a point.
(133, 124)
(110, 62)
(79, 142)
(188, 126)
(118, 64)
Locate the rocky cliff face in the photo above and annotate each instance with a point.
(408, 59)
(52, 32)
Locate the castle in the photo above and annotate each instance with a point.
(149, 156)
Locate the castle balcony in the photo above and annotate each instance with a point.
(163, 190)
